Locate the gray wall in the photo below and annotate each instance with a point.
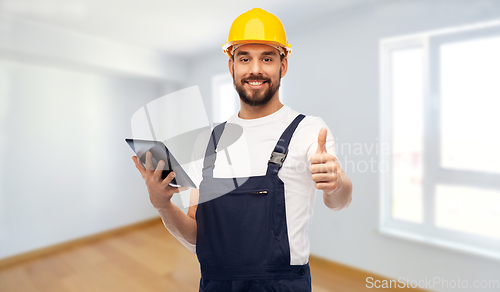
(334, 73)
(66, 171)
(66, 101)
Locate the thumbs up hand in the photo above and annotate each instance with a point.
(324, 166)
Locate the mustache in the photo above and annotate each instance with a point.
(255, 78)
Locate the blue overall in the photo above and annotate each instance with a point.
(242, 241)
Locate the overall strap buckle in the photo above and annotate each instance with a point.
(278, 158)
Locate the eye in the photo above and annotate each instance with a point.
(267, 59)
(244, 60)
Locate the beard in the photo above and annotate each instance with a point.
(257, 97)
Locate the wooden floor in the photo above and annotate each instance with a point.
(145, 259)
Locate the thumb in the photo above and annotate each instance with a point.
(322, 141)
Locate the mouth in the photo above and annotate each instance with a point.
(256, 84)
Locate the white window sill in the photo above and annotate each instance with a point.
(440, 243)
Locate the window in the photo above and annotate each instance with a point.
(440, 98)
(225, 101)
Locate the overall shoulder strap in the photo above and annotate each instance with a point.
(281, 149)
(210, 153)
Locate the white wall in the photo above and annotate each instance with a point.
(66, 171)
(66, 101)
(334, 73)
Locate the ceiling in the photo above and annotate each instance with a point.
(174, 27)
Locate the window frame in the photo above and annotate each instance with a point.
(217, 81)
(434, 174)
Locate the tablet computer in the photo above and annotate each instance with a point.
(161, 152)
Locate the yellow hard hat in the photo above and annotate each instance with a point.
(257, 26)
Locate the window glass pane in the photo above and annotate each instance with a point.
(470, 105)
(467, 209)
(407, 134)
(227, 101)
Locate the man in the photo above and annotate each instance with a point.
(255, 236)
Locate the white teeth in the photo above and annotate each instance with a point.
(255, 83)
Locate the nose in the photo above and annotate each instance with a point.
(255, 67)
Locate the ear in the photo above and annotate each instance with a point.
(230, 66)
(284, 66)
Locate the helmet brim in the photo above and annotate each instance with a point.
(227, 47)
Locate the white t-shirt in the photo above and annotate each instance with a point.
(249, 155)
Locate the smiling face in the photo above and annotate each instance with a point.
(257, 70)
